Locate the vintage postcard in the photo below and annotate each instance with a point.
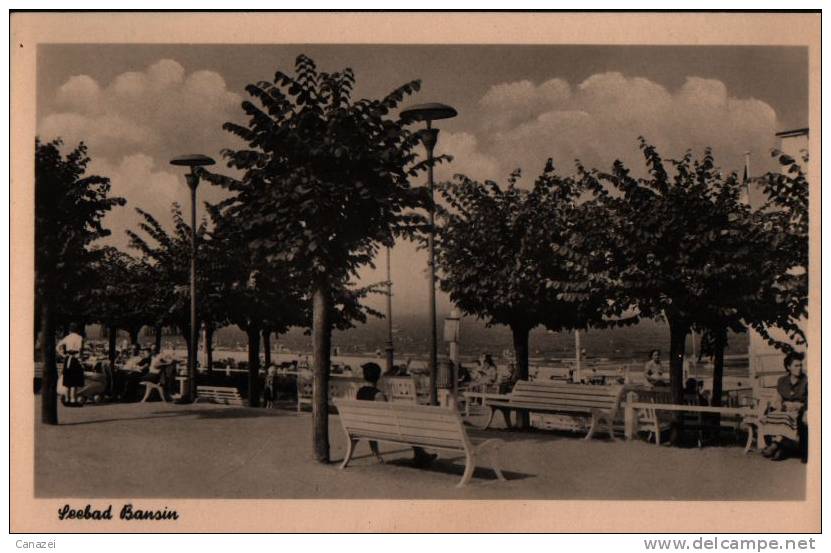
(415, 272)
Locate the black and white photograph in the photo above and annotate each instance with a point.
(264, 269)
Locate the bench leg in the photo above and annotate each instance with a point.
(592, 428)
(350, 449)
(506, 414)
(470, 466)
(490, 419)
(749, 444)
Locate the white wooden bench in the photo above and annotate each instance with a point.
(599, 403)
(424, 426)
(219, 394)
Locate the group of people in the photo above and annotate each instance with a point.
(784, 421)
(488, 375)
(133, 366)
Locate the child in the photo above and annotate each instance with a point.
(270, 386)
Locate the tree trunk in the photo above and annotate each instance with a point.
(209, 347)
(157, 344)
(185, 329)
(678, 330)
(719, 343)
(322, 339)
(267, 346)
(112, 337)
(253, 365)
(49, 378)
(520, 335)
(134, 336)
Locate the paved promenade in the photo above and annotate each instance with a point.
(212, 451)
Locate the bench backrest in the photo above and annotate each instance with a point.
(574, 397)
(422, 425)
(399, 389)
(220, 393)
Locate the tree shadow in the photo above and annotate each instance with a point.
(531, 435)
(234, 412)
(151, 416)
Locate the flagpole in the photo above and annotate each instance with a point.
(747, 175)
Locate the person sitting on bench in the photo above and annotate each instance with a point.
(785, 419)
(370, 392)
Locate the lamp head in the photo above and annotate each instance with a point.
(427, 112)
(192, 160)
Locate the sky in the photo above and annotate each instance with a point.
(137, 106)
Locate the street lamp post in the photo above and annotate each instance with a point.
(429, 136)
(193, 161)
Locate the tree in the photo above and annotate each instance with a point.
(781, 225)
(118, 296)
(69, 208)
(515, 257)
(166, 262)
(257, 296)
(325, 184)
(682, 246)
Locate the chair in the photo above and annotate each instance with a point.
(755, 422)
(654, 420)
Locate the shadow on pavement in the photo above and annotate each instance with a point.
(455, 466)
(232, 412)
(152, 416)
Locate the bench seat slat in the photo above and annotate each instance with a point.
(423, 411)
(543, 408)
(565, 403)
(353, 418)
(577, 388)
(564, 400)
(452, 447)
(411, 439)
(371, 408)
(404, 431)
(425, 435)
(563, 393)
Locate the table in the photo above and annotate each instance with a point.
(630, 419)
(483, 397)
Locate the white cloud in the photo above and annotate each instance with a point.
(599, 120)
(160, 111)
(467, 159)
(150, 186)
(135, 124)
(80, 93)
